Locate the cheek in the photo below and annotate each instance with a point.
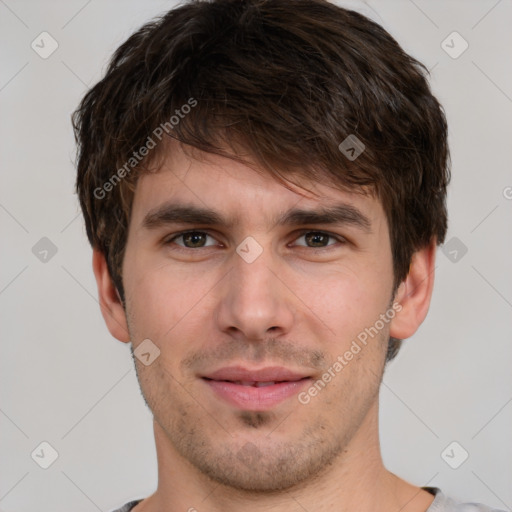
(346, 301)
(163, 300)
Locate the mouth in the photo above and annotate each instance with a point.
(254, 384)
(255, 390)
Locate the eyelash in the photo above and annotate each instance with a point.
(175, 236)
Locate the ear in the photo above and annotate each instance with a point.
(414, 293)
(110, 302)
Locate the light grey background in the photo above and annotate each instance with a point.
(66, 381)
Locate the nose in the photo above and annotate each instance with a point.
(255, 303)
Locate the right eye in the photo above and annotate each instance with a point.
(190, 239)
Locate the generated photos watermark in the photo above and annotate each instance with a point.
(343, 360)
(137, 156)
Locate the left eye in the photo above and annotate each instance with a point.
(197, 239)
(318, 239)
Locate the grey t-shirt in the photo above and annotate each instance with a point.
(441, 503)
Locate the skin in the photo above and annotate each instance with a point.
(296, 306)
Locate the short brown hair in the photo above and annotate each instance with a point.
(284, 82)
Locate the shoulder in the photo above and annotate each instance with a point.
(129, 506)
(443, 503)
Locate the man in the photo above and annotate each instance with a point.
(264, 185)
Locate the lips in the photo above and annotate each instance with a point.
(255, 389)
(255, 384)
(246, 377)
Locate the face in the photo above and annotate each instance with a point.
(259, 312)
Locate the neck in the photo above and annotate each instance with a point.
(357, 480)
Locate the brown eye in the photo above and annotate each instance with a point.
(194, 239)
(317, 239)
(191, 239)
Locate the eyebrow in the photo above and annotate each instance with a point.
(172, 213)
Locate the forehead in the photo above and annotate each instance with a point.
(242, 192)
